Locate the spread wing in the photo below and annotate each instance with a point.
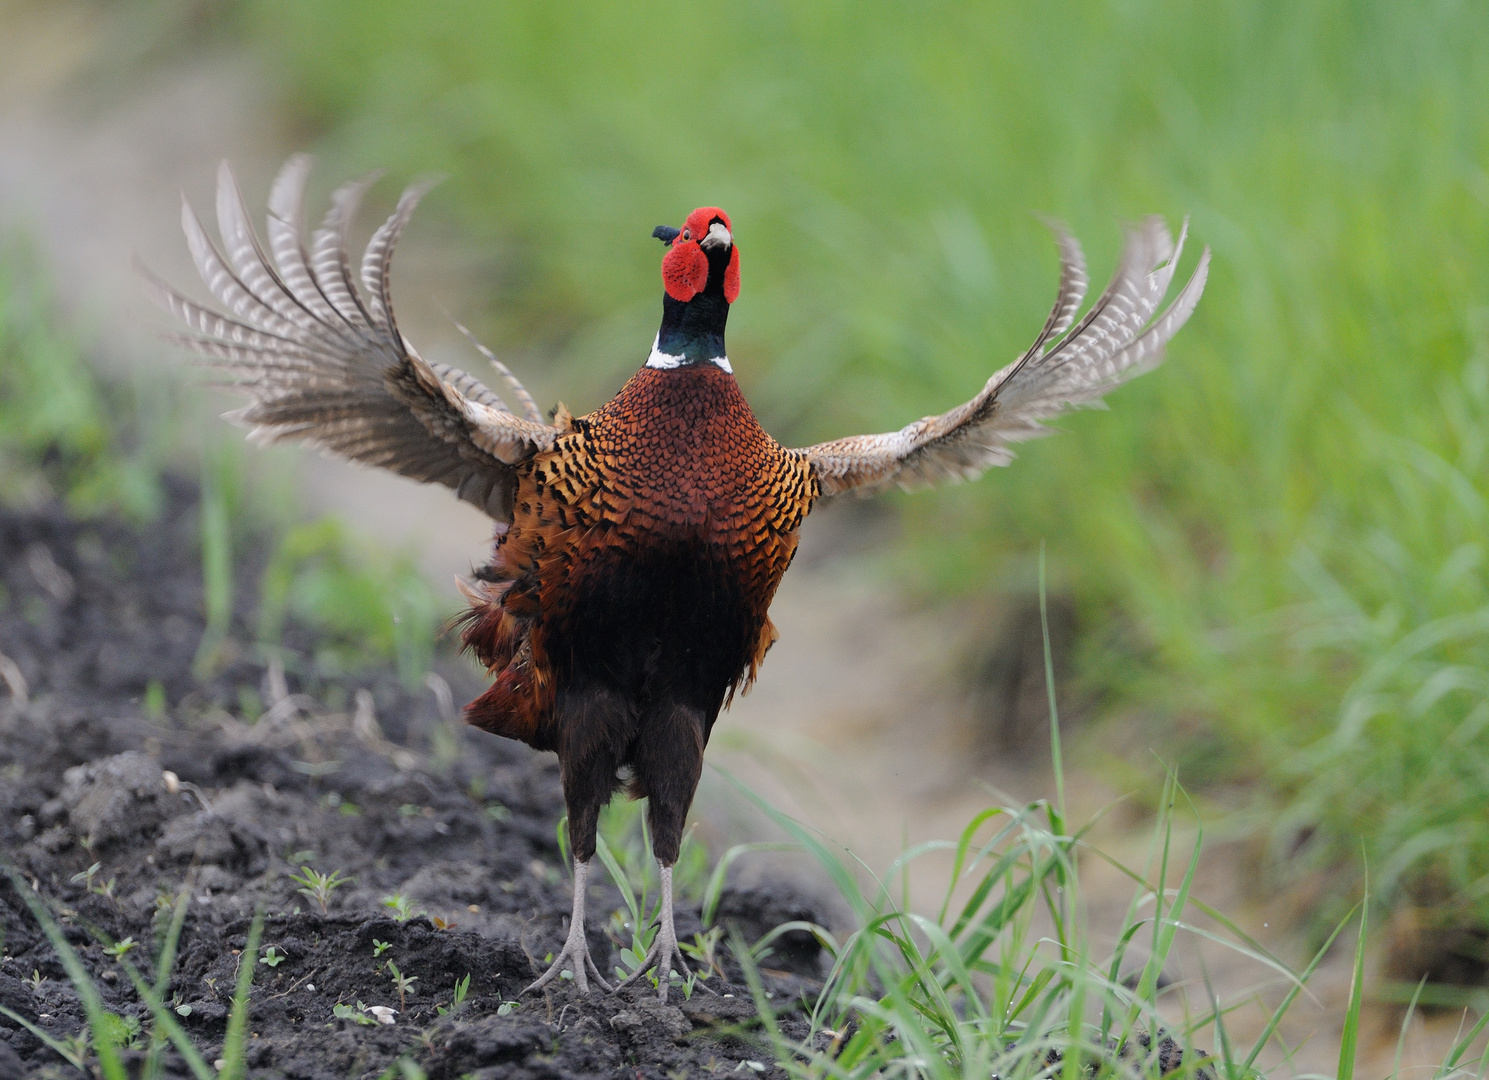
(1066, 367)
(323, 363)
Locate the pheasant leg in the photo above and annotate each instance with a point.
(574, 957)
(664, 951)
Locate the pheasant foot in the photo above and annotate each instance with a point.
(664, 951)
(574, 957)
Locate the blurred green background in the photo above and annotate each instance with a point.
(1274, 544)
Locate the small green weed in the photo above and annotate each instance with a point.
(402, 907)
(90, 881)
(403, 983)
(99, 1025)
(317, 886)
(462, 987)
(357, 1014)
(704, 948)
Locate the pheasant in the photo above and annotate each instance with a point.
(637, 548)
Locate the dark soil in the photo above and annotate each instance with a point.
(356, 774)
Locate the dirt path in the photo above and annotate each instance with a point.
(855, 725)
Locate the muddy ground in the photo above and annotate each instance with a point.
(112, 753)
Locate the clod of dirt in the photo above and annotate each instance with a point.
(1422, 942)
(113, 799)
(11, 1065)
(209, 839)
(712, 1010)
(646, 1019)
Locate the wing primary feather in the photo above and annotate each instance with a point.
(529, 406)
(1148, 347)
(329, 261)
(1071, 290)
(246, 254)
(286, 225)
(1068, 296)
(208, 322)
(223, 283)
(377, 260)
(1073, 283)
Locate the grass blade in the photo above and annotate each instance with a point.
(166, 1023)
(1291, 995)
(1351, 1037)
(714, 890)
(103, 1044)
(61, 1049)
(164, 963)
(622, 882)
(233, 1044)
(1461, 1047)
(1049, 683)
(1405, 1024)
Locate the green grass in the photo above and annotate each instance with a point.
(884, 166)
(363, 602)
(1403, 769)
(1004, 979)
(63, 434)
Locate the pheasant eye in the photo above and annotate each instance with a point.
(686, 235)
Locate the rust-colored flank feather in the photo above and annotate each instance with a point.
(708, 487)
(638, 548)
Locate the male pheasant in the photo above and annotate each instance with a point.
(637, 548)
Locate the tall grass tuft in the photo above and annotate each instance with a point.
(1404, 769)
(1004, 980)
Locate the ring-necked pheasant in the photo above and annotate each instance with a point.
(637, 548)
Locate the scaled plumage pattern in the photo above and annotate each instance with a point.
(638, 548)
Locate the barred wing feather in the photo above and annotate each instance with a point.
(1066, 367)
(325, 365)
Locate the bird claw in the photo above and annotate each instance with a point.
(576, 948)
(574, 958)
(661, 955)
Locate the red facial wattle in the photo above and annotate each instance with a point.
(684, 270)
(731, 276)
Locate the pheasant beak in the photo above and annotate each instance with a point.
(666, 234)
(717, 237)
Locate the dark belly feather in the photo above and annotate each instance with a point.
(644, 554)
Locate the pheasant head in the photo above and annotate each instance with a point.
(700, 279)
